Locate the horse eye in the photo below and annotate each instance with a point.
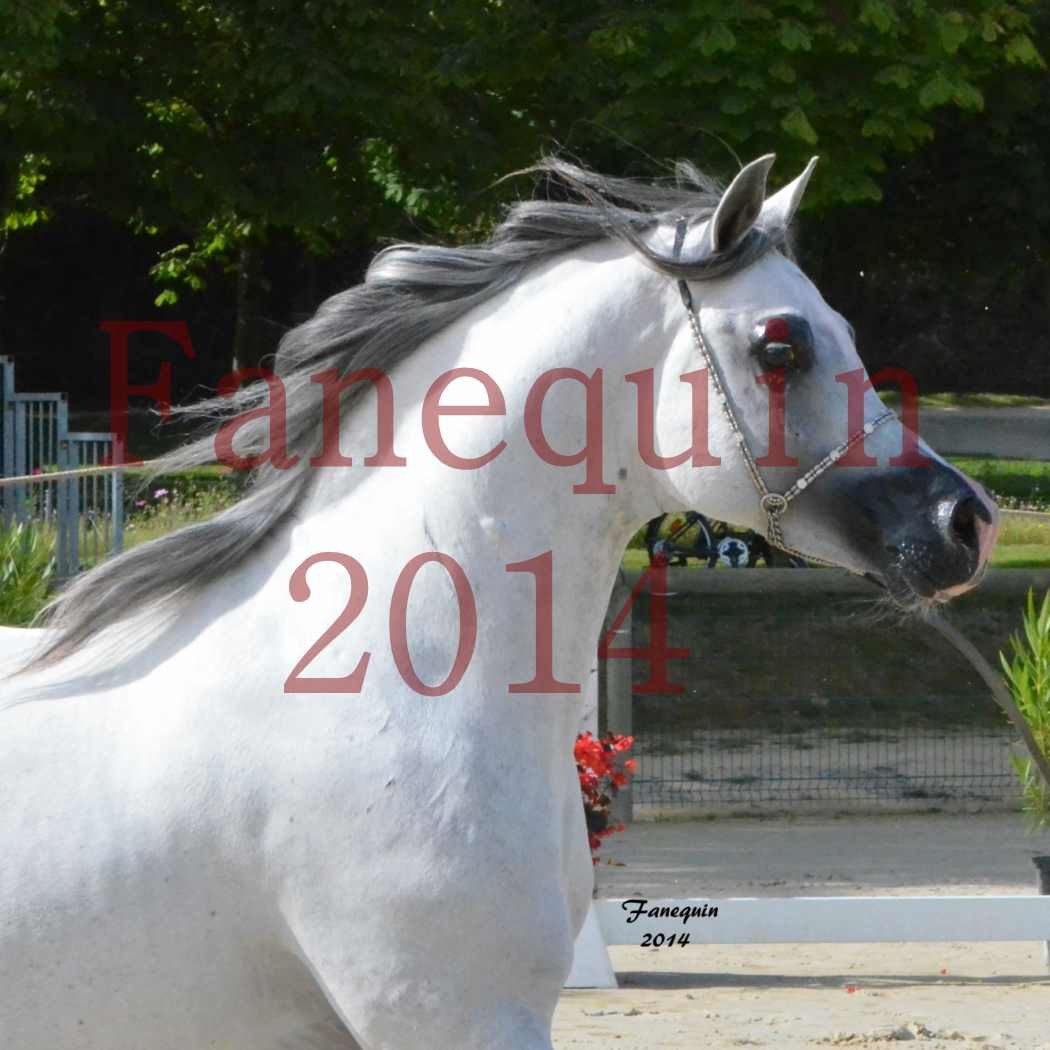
(779, 355)
(782, 342)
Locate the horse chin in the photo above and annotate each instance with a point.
(899, 594)
(910, 591)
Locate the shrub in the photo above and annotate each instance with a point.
(27, 564)
(174, 501)
(1028, 674)
(602, 773)
(205, 488)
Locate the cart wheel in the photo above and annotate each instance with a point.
(675, 538)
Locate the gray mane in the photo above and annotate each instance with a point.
(411, 292)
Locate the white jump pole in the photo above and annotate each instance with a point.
(1042, 867)
(591, 965)
(826, 920)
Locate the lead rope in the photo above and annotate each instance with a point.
(773, 503)
(80, 472)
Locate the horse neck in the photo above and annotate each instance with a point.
(596, 310)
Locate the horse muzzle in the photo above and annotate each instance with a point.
(927, 531)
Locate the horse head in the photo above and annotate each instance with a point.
(792, 412)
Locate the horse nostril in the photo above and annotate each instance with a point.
(964, 523)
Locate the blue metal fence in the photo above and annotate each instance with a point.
(87, 513)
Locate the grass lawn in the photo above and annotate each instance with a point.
(1024, 482)
(1024, 543)
(1023, 556)
(892, 397)
(139, 530)
(172, 501)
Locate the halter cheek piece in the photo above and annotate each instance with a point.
(773, 504)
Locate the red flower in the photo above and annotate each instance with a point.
(602, 773)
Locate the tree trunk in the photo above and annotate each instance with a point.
(248, 346)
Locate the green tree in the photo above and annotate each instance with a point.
(230, 122)
(215, 126)
(857, 82)
(951, 278)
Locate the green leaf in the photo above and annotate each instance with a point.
(953, 31)
(794, 37)
(23, 219)
(1027, 673)
(898, 74)
(861, 188)
(936, 91)
(735, 104)
(990, 29)
(920, 130)
(797, 124)
(615, 40)
(1021, 51)
(877, 128)
(968, 96)
(878, 14)
(716, 37)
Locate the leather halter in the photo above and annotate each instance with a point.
(773, 504)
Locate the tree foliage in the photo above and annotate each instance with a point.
(214, 126)
(856, 82)
(227, 120)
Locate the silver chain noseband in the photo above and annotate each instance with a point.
(773, 503)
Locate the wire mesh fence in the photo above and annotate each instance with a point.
(795, 693)
(763, 765)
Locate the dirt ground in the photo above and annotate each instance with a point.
(951, 996)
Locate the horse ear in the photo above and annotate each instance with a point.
(780, 209)
(740, 205)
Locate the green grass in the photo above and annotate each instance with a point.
(973, 400)
(635, 559)
(137, 532)
(1025, 556)
(1024, 543)
(170, 503)
(1018, 530)
(189, 497)
(1019, 483)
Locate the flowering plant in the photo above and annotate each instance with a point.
(602, 771)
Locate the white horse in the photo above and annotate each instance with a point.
(195, 852)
